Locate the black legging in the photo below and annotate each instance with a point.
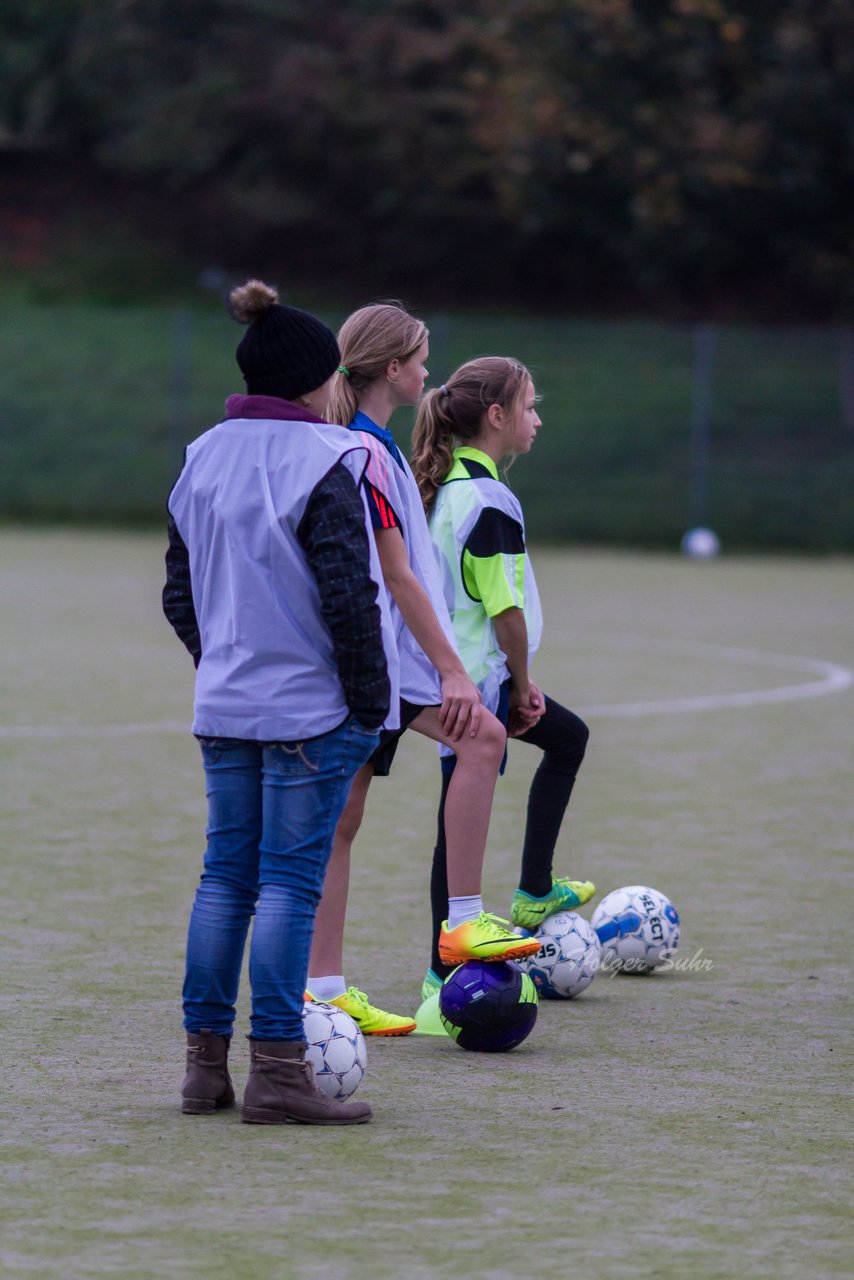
(562, 737)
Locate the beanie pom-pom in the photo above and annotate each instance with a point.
(250, 301)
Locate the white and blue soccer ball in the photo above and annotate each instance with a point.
(638, 928)
(335, 1047)
(568, 958)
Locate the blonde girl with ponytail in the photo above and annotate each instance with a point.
(484, 414)
(383, 367)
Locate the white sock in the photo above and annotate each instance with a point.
(328, 988)
(461, 910)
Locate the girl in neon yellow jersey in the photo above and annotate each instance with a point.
(485, 412)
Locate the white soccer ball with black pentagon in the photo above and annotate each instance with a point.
(335, 1047)
(568, 958)
(638, 928)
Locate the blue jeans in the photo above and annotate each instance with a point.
(272, 812)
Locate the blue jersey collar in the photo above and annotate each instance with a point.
(361, 422)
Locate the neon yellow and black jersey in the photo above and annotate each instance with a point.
(478, 532)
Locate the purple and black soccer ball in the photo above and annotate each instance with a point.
(488, 1008)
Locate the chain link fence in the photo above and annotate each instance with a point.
(648, 429)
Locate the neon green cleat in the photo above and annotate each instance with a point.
(565, 895)
(370, 1020)
(486, 938)
(431, 984)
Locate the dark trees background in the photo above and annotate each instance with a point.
(593, 154)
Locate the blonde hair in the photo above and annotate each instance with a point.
(455, 412)
(369, 340)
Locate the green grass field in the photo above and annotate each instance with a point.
(687, 1124)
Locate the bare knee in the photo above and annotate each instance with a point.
(487, 748)
(496, 738)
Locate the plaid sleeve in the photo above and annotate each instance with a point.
(335, 539)
(178, 594)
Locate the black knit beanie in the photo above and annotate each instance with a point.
(285, 352)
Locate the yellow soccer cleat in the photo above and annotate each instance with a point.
(565, 895)
(486, 938)
(370, 1020)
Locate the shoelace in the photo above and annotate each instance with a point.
(495, 925)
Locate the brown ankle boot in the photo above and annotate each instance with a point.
(281, 1088)
(207, 1084)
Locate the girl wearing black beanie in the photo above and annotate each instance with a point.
(272, 585)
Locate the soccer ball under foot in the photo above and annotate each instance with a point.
(488, 1007)
(335, 1047)
(568, 958)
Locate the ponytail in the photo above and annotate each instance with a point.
(432, 444)
(342, 406)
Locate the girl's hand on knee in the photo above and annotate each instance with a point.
(460, 707)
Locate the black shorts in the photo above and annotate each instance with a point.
(389, 738)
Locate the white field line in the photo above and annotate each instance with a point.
(831, 678)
